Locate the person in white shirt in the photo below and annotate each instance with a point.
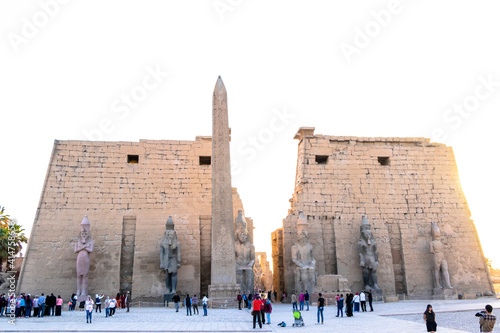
(112, 307)
(362, 299)
(356, 302)
(89, 306)
(205, 304)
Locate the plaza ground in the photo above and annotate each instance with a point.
(451, 316)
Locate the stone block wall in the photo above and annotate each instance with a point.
(104, 181)
(277, 254)
(401, 185)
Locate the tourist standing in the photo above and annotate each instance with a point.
(362, 300)
(3, 304)
(112, 307)
(249, 300)
(98, 302)
(51, 304)
(106, 306)
(356, 302)
(239, 298)
(306, 299)
(245, 299)
(20, 306)
(29, 305)
(370, 299)
(59, 303)
(89, 307)
(268, 309)
(430, 319)
(487, 320)
(301, 301)
(294, 302)
(118, 299)
(205, 304)
(194, 300)
(348, 305)
(340, 305)
(256, 305)
(128, 298)
(41, 305)
(262, 305)
(75, 301)
(321, 307)
(35, 306)
(176, 300)
(122, 301)
(187, 303)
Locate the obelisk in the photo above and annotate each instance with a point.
(223, 288)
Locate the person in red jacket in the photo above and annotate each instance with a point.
(256, 306)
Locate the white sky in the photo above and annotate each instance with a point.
(64, 78)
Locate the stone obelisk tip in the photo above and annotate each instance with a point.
(219, 86)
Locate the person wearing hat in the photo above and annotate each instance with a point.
(127, 301)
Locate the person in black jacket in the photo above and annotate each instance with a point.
(51, 304)
(176, 299)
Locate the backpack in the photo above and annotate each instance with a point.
(188, 301)
(282, 324)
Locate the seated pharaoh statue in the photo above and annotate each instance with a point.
(303, 258)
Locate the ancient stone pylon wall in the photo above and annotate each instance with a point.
(267, 277)
(95, 179)
(401, 184)
(277, 253)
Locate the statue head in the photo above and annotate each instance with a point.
(365, 229)
(241, 233)
(170, 233)
(435, 232)
(303, 237)
(84, 230)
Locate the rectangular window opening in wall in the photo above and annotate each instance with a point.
(321, 159)
(133, 159)
(384, 160)
(205, 160)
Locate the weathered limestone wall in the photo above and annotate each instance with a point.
(277, 252)
(95, 179)
(267, 275)
(400, 184)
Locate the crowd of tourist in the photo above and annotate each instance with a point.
(26, 306)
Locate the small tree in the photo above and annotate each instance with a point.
(11, 238)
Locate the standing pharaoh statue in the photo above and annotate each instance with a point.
(368, 255)
(440, 265)
(244, 255)
(84, 246)
(303, 258)
(170, 256)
